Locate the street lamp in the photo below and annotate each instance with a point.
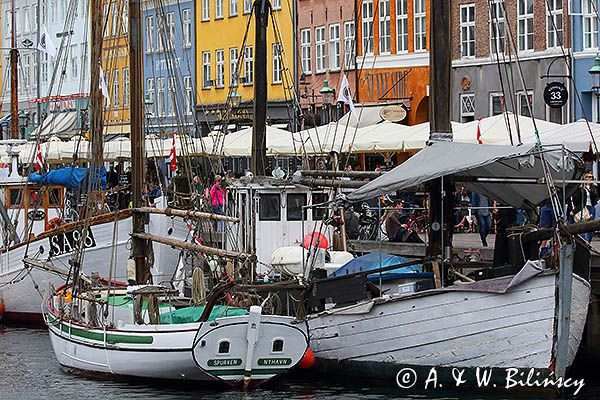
(23, 122)
(595, 73)
(235, 99)
(328, 96)
(148, 105)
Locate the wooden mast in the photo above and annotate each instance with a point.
(258, 157)
(440, 226)
(96, 97)
(14, 77)
(137, 137)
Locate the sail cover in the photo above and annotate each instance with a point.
(439, 159)
(73, 178)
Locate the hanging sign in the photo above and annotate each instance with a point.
(393, 113)
(556, 95)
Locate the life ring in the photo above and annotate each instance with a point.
(54, 223)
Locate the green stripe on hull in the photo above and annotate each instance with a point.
(111, 338)
(225, 372)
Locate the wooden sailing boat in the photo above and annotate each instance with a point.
(532, 320)
(98, 326)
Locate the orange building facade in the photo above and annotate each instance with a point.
(393, 55)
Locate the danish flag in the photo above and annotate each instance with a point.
(173, 156)
(39, 161)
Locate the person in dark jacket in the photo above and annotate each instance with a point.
(481, 208)
(585, 198)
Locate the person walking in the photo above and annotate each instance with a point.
(481, 207)
(217, 197)
(583, 203)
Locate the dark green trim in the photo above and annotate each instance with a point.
(243, 372)
(111, 338)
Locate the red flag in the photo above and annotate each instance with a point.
(479, 141)
(173, 157)
(39, 161)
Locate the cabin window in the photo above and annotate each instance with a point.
(55, 197)
(319, 213)
(295, 202)
(270, 207)
(224, 347)
(16, 197)
(277, 346)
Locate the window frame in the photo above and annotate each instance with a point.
(277, 64)
(368, 40)
(220, 68)
(349, 45)
(466, 115)
(523, 32)
(306, 50)
(320, 50)
(385, 20)
(206, 72)
(233, 66)
(467, 31)
(590, 18)
(335, 50)
(420, 15)
(552, 17)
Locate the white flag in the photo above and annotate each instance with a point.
(45, 45)
(345, 95)
(103, 87)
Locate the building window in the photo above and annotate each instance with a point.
(171, 30)
(496, 104)
(233, 8)
(220, 62)
(126, 87)
(248, 71)
(150, 89)
(149, 33)
(205, 10)
(247, 6)
(160, 28)
(115, 19)
(590, 25)
(160, 96)
(218, 9)
(467, 107)
(467, 30)
(276, 63)
(497, 27)
(334, 47)
(320, 54)
(115, 101)
(525, 25)
(26, 70)
(187, 28)
(125, 18)
(420, 26)
(349, 44)
(74, 61)
(305, 50)
(384, 26)
(233, 66)
(557, 115)
(206, 83)
(554, 24)
(276, 4)
(44, 71)
(525, 103)
(189, 95)
(401, 26)
(172, 100)
(105, 14)
(367, 26)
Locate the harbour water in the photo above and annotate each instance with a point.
(28, 370)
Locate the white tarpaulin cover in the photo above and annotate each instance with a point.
(575, 136)
(447, 158)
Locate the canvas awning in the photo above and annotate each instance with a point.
(61, 125)
(472, 160)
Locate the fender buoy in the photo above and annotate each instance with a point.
(315, 239)
(54, 223)
(308, 359)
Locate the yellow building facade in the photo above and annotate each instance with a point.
(221, 26)
(115, 65)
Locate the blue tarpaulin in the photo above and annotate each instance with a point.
(73, 178)
(379, 260)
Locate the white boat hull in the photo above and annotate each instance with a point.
(449, 329)
(184, 351)
(22, 289)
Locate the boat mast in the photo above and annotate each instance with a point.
(96, 98)
(137, 137)
(259, 146)
(14, 78)
(440, 191)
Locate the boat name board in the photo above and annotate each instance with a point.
(224, 362)
(67, 242)
(274, 361)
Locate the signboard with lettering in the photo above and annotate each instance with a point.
(224, 362)
(556, 94)
(67, 242)
(274, 361)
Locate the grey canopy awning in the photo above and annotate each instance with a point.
(473, 160)
(61, 124)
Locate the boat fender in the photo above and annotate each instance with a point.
(308, 359)
(54, 223)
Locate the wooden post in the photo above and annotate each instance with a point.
(563, 304)
(96, 97)
(258, 157)
(137, 138)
